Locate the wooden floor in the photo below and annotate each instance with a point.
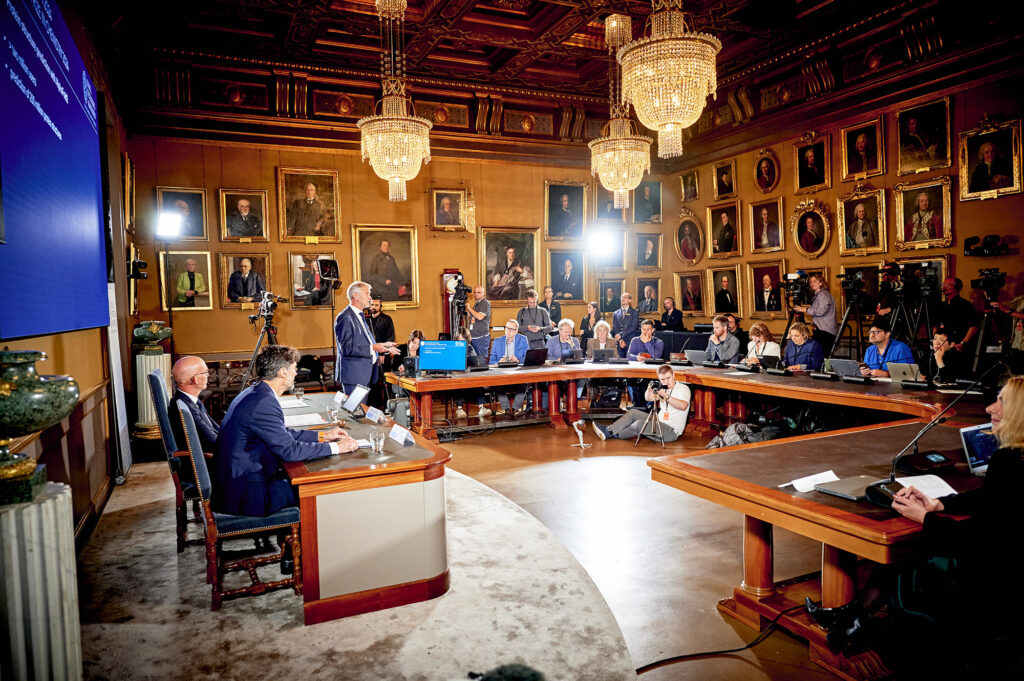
(661, 558)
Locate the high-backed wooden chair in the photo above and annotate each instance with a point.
(177, 460)
(221, 526)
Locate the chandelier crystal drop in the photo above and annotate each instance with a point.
(621, 157)
(668, 76)
(396, 141)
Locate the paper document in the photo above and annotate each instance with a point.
(302, 420)
(736, 373)
(362, 443)
(932, 485)
(808, 483)
(292, 402)
(958, 392)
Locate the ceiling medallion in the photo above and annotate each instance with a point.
(668, 76)
(397, 140)
(621, 157)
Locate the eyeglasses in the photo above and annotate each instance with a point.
(875, 331)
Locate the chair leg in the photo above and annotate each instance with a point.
(296, 545)
(181, 521)
(213, 573)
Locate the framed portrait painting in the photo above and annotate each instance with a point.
(923, 140)
(766, 234)
(565, 204)
(767, 298)
(861, 218)
(310, 276)
(186, 280)
(690, 185)
(567, 274)
(190, 204)
(766, 171)
(604, 206)
(863, 149)
(867, 278)
(689, 241)
(386, 257)
(243, 215)
(648, 250)
(724, 230)
(724, 290)
(812, 163)
(508, 264)
(723, 180)
(309, 205)
(990, 160)
(648, 295)
(936, 267)
(810, 228)
(243, 279)
(647, 203)
(610, 292)
(689, 286)
(924, 213)
(446, 207)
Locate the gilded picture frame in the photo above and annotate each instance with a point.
(387, 258)
(689, 241)
(306, 294)
(507, 287)
(870, 287)
(911, 265)
(990, 163)
(922, 141)
(716, 290)
(647, 261)
(772, 232)
(644, 305)
(689, 289)
(724, 233)
(647, 203)
(767, 171)
(605, 212)
(689, 185)
(243, 215)
(174, 265)
(863, 210)
(724, 180)
(571, 286)
(863, 149)
(608, 303)
(190, 203)
(812, 162)
(447, 209)
(924, 222)
(311, 216)
(246, 290)
(775, 306)
(810, 228)
(565, 210)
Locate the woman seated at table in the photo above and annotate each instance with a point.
(412, 349)
(602, 339)
(802, 352)
(564, 345)
(761, 343)
(588, 323)
(469, 393)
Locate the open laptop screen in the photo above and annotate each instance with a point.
(979, 444)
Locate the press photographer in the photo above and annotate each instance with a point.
(822, 310)
(991, 281)
(956, 316)
(671, 411)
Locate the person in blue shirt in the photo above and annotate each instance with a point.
(645, 344)
(802, 352)
(883, 350)
(512, 345)
(564, 344)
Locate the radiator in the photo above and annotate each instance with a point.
(39, 636)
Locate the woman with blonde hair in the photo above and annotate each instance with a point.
(802, 351)
(761, 343)
(602, 339)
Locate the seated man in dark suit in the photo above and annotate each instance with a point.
(247, 475)
(190, 376)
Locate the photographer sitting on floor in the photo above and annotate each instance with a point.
(674, 408)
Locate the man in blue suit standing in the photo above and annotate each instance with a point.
(253, 442)
(513, 345)
(355, 361)
(625, 323)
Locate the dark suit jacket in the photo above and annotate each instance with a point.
(573, 287)
(672, 321)
(244, 226)
(773, 301)
(253, 441)
(725, 301)
(627, 324)
(249, 287)
(354, 362)
(206, 426)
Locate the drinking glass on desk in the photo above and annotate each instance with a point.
(332, 412)
(377, 439)
(298, 392)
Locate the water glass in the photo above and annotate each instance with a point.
(298, 392)
(377, 439)
(332, 412)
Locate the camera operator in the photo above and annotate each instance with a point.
(1015, 308)
(673, 411)
(480, 322)
(822, 311)
(957, 316)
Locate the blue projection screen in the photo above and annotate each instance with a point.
(53, 273)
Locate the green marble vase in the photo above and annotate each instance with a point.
(151, 333)
(28, 402)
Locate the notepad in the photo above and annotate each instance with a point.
(302, 420)
(292, 402)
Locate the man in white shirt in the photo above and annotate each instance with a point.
(673, 410)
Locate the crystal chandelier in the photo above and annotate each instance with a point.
(668, 76)
(396, 141)
(621, 157)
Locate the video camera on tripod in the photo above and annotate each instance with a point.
(268, 303)
(798, 288)
(460, 293)
(852, 282)
(990, 281)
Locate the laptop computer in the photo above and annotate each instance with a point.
(899, 371)
(696, 356)
(603, 355)
(535, 357)
(770, 361)
(979, 444)
(846, 367)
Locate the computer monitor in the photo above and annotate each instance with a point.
(442, 356)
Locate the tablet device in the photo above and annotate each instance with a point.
(603, 355)
(355, 400)
(979, 444)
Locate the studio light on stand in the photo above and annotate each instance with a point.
(168, 230)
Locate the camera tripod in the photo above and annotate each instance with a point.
(912, 318)
(853, 306)
(652, 419)
(269, 332)
(983, 331)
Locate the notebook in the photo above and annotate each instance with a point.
(535, 357)
(979, 444)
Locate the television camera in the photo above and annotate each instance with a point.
(798, 288)
(268, 303)
(990, 281)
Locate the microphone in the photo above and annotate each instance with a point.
(682, 351)
(881, 492)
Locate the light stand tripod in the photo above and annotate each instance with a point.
(652, 419)
(853, 306)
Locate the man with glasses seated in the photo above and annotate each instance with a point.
(191, 375)
(883, 350)
(511, 346)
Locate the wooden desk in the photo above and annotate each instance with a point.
(746, 478)
(710, 388)
(373, 530)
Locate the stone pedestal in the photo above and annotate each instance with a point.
(147, 426)
(38, 589)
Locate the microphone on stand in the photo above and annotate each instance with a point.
(881, 492)
(682, 351)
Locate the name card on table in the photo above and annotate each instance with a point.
(340, 397)
(375, 414)
(400, 435)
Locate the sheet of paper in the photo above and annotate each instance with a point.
(957, 392)
(736, 373)
(292, 402)
(881, 379)
(362, 443)
(807, 484)
(302, 420)
(932, 485)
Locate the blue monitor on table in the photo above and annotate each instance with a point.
(442, 356)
